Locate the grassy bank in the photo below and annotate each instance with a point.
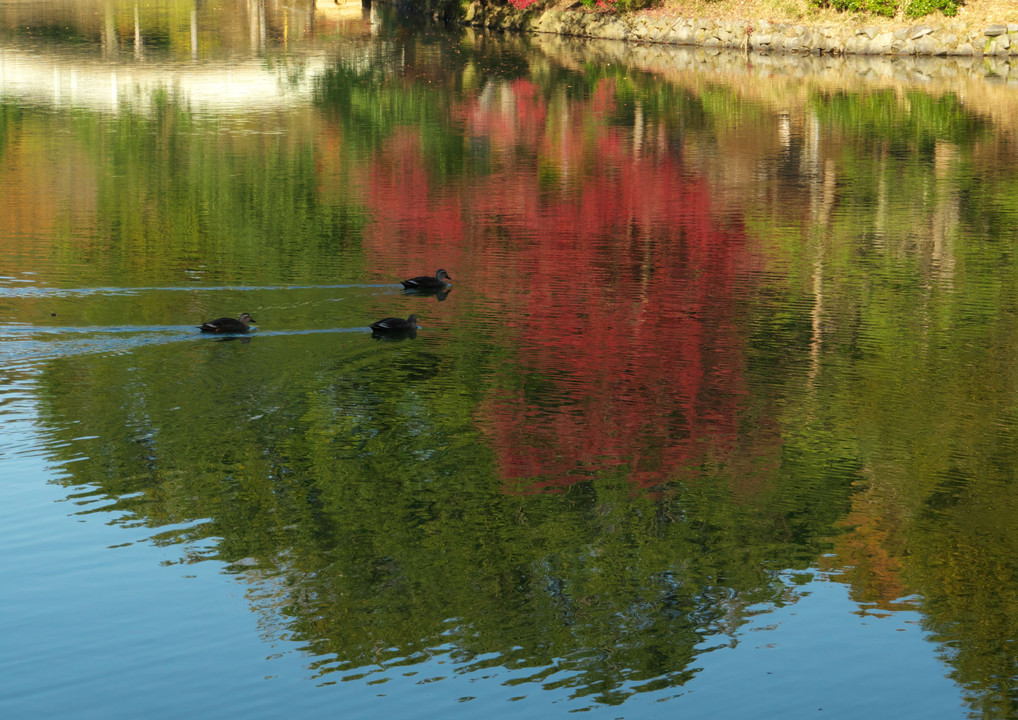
(973, 12)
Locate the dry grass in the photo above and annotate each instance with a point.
(974, 12)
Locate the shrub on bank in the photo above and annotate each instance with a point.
(617, 5)
(918, 8)
(887, 8)
(890, 8)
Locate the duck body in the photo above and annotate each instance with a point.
(228, 324)
(427, 282)
(395, 325)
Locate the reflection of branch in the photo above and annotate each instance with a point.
(638, 128)
(138, 47)
(816, 314)
(109, 32)
(823, 203)
(945, 212)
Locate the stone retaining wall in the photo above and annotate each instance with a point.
(976, 81)
(949, 39)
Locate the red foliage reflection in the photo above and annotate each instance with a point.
(615, 277)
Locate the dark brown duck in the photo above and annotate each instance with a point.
(228, 324)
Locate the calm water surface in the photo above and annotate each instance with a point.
(718, 418)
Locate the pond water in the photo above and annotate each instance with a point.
(717, 418)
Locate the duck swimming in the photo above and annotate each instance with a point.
(427, 282)
(392, 324)
(228, 324)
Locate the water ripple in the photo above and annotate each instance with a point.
(28, 345)
(53, 292)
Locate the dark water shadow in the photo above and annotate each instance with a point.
(393, 335)
(439, 294)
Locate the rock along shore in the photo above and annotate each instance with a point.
(954, 39)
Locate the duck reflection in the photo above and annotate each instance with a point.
(439, 294)
(393, 335)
